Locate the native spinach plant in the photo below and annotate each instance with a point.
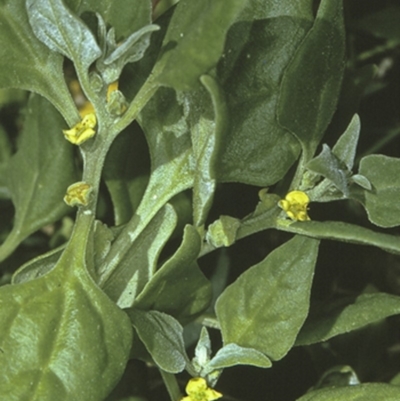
(176, 105)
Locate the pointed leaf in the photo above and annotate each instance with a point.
(28, 64)
(162, 336)
(346, 146)
(257, 310)
(39, 173)
(62, 31)
(382, 202)
(194, 40)
(232, 355)
(311, 83)
(59, 333)
(330, 167)
(138, 264)
(366, 309)
(179, 288)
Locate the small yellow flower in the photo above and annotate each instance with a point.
(82, 131)
(295, 205)
(111, 88)
(78, 194)
(197, 390)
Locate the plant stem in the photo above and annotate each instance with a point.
(172, 385)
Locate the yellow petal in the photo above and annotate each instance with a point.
(198, 390)
(78, 194)
(295, 205)
(82, 131)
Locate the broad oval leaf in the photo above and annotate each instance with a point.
(311, 83)
(179, 288)
(194, 40)
(366, 309)
(61, 337)
(62, 31)
(27, 63)
(38, 175)
(382, 202)
(361, 392)
(162, 336)
(266, 306)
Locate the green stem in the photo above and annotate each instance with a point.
(172, 385)
(389, 45)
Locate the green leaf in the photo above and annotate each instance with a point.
(194, 41)
(206, 135)
(5, 155)
(38, 266)
(138, 264)
(361, 392)
(115, 13)
(256, 311)
(39, 173)
(256, 150)
(162, 336)
(28, 64)
(330, 167)
(382, 202)
(311, 83)
(233, 355)
(60, 332)
(73, 39)
(168, 137)
(346, 146)
(339, 319)
(261, 9)
(179, 288)
(341, 231)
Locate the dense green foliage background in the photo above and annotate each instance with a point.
(237, 93)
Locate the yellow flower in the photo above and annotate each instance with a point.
(82, 131)
(78, 194)
(197, 390)
(295, 205)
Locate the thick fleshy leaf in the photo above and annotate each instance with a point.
(266, 306)
(346, 146)
(138, 264)
(332, 321)
(311, 83)
(73, 39)
(179, 288)
(330, 167)
(233, 355)
(346, 232)
(162, 336)
(38, 266)
(170, 149)
(62, 338)
(26, 63)
(195, 39)
(39, 173)
(382, 202)
(256, 149)
(206, 131)
(361, 392)
(125, 16)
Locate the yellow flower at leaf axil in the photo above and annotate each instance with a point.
(295, 205)
(198, 390)
(82, 131)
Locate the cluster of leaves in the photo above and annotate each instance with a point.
(209, 95)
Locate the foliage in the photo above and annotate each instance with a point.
(159, 121)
